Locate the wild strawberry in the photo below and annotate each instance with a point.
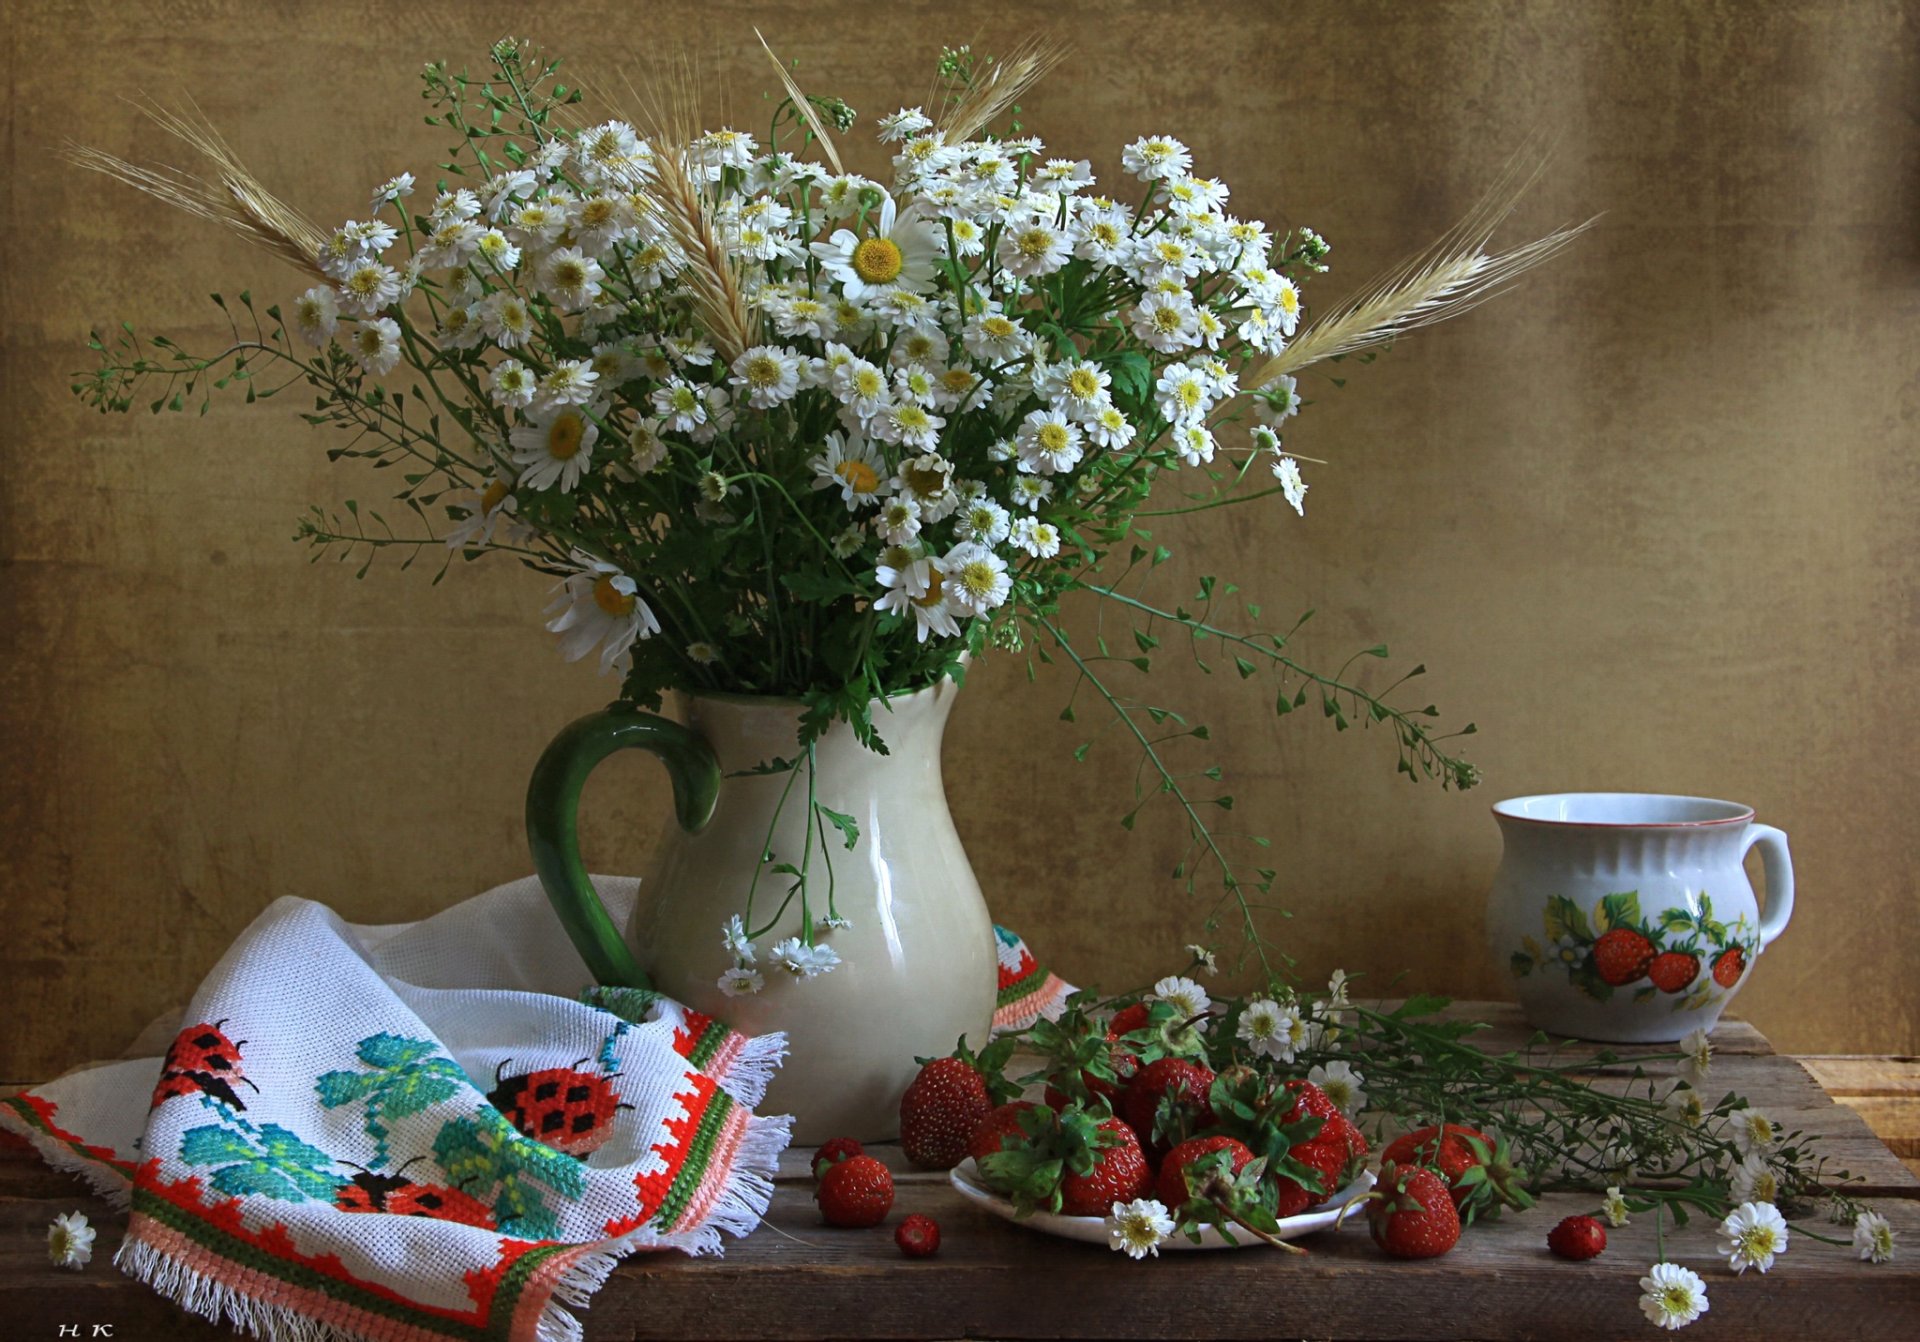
(833, 1151)
(1729, 966)
(1412, 1217)
(939, 1112)
(1578, 1238)
(856, 1192)
(1187, 1082)
(1672, 971)
(1622, 955)
(1173, 1187)
(918, 1236)
(1120, 1174)
(992, 1132)
(1452, 1154)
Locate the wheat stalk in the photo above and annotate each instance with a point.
(230, 196)
(1452, 276)
(808, 112)
(1007, 78)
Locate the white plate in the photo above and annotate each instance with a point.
(1093, 1229)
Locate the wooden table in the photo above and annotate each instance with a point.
(798, 1278)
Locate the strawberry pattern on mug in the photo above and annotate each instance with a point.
(1691, 958)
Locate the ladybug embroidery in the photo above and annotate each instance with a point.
(202, 1058)
(398, 1195)
(565, 1108)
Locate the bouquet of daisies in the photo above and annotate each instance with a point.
(777, 427)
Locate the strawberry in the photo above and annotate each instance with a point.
(939, 1112)
(1672, 971)
(1326, 1156)
(1184, 1081)
(833, 1151)
(993, 1131)
(1173, 1187)
(1120, 1174)
(1412, 1217)
(1127, 1019)
(1578, 1238)
(856, 1192)
(1356, 1143)
(1310, 1101)
(1622, 955)
(1454, 1155)
(918, 1236)
(1729, 966)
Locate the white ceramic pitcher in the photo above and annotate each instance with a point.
(1628, 916)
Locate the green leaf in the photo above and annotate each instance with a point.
(388, 1051)
(842, 822)
(213, 1145)
(1621, 910)
(1565, 920)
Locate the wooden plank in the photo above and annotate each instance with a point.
(1847, 1075)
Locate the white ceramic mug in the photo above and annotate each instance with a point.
(1627, 916)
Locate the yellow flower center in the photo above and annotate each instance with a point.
(365, 280)
(1171, 252)
(934, 585)
(763, 371)
(1676, 1299)
(997, 326)
(682, 399)
(1083, 383)
(565, 435)
(369, 340)
(911, 418)
(650, 256)
(570, 274)
(1188, 394)
(597, 212)
(860, 477)
(1289, 300)
(977, 577)
(878, 261)
(1166, 319)
(956, 380)
(610, 598)
(1053, 437)
(495, 494)
(868, 383)
(1106, 235)
(1033, 243)
(925, 481)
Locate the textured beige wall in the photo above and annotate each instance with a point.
(1649, 520)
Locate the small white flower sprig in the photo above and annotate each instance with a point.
(781, 428)
(70, 1240)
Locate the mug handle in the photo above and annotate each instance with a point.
(1777, 864)
(553, 811)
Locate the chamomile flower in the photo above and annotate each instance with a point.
(568, 382)
(1030, 491)
(1166, 321)
(368, 287)
(907, 424)
(928, 480)
(983, 521)
(1872, 1238)
(1065, 175)
(1049, 443)
(960, 389)
(1183, 394)
(1194, 442)
(570, 278)
(679, 405)
(768, 375)
(494, 249)
(486, 510)
(903, 125)
(1614, 1207)
(1754, 1179)
(1080, 389)
(976, 579)
(1284, 311)
(70, 1240)
(898, 521)
(599, 606)
(394, 188)
(906, 577)
(733, 937)
(1277, 402)
(376, 345)
(802, 961)
(316, 314)
(1033, 246)
(611, 152)
(902, 253)
(1697, 1056)
(511, 384)
(1344, 1086)
(969, 239)
(854, 467)
(1139, 1228)
(537, 223)
(555, 449)
(507, 320)
(1292, 488)
(1272, 1030)
(1754, 1133)
(925, 347)
(1752, 1235)
(994, 337)
(1156, 158)
(1183, 994)
(741, 981)
(1031, 536)
(1672, 1296)
(1110, 429)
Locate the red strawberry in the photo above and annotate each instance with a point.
(939, 1112)
(833, 1151)
(918, 1236)
(1578, 1238)
(1413, 1216)
(1127, 1019)
(1172, 1187)
(992, 1132)
(1121, 1174)
(1451, 1154)
(1622, 955)
(1729, 966)
(1309, 1099)
(1326, 1156)
(1187, 1082)
(1672, 971)
(1356, 1143)
(856, 1192)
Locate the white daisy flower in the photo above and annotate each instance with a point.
(510, 384)
(1272, 1030)
(994, 337)
(903, 125)
(599, 606)
(914, 382)
(741, 981)
(854, 466)
(496, 250)
(1292, 488)
(898, 520)
(1183, 394)
(1186, 996)
(1672, 1296)
(1344, 1086)
(1754, 1133)
(1139, 1228)
(453, 243)
(1030, 491)
(555, 449)
(969, 239)
(368, 287)
(1752, 1235)
(70, 1240)
(1110, 429)
(908, 424)
(1194, 442)
(960, 389)
(316, 314)
(1164, 256)
(1196, 195)
(1065, 175)
(1277, 402)
(1033, 246)
(703, 654)
(905, 576)
(459, 203)
(976, 579)
(376, 345)
(1697, 1059)
(372, 235)
(486, 509)
(1754, 1179)
(1284, 311)
(1873, 1238)
(733, 936)
(902, 253)
(507, 320)
(1079, 388)
(568, 382)
(537, 223)
(1030, 535)
(803, 961)
(679, 405)
(392, 189)
(1156, 157)
(924, 346)
(861, 387)
(928, 480)
(570, 278)
(1166, 322)
(1614, 1207)
(983, 521)
(769, 374)
(612, 152)
(1049, 443)
(459, 327)
(724, 148)
(503, 191)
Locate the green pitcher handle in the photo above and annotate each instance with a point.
(553, 813)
